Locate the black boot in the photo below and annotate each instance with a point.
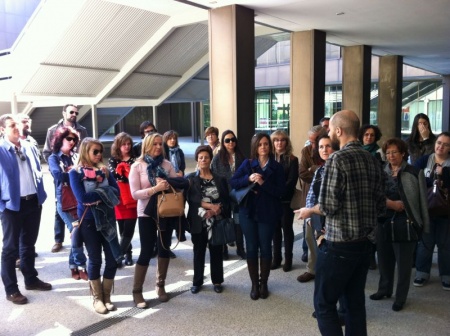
(277, 239)
(265, 271)
(240, 249)
(287, 262)
(125, 246)
(252, 265)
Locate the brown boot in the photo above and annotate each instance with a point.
(265, 271)
(108, 285)
(97, 293)
(139, 278)
(161, 273)
(252, 265)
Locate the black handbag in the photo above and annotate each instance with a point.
(437, 197)
(222, 232)
(400, 229)
(239, 195)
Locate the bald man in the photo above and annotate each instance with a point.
(351, 197)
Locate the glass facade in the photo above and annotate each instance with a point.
(272, 110)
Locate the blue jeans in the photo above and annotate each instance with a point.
(59, 227)
(77, 258)
(439, 235)
(20, 232)
(341, 271)
(258, 236)
(95, 242)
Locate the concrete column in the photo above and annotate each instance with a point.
(232, 71)
(94, 121)
(307, 84)
(446, 103)
(356, 80)
(390, 95)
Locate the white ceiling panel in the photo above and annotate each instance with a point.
(140, 85)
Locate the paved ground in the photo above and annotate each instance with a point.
(67, 309)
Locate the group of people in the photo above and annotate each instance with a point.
(354, 196)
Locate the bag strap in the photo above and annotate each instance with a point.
(178, 236)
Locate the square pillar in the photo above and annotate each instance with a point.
(232, 71)
(357, 63)
(307, 84)
(445, 103)
(390, 95)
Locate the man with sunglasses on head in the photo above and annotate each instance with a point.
(21, 196)
(70, 114)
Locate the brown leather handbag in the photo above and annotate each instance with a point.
(170, 204)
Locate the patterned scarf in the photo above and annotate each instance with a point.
(154, 168)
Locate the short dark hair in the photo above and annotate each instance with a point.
(67, 105)
(399, 143)
(363, 130)
(144, 125)
(324, 119)
(212, 129)
(169, 135)
(203, 148)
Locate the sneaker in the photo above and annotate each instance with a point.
(445, 285)
(419, 282)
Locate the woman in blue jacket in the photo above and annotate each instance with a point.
(260, 211)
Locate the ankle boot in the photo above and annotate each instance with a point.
(97, 294)
(108, 285)
(265, 271)
(139, 278)
(252, 265)
(161, 273)
(287, 262)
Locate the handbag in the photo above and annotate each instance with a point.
(238, 195)
(69, 202)
(296, 201)
(170, 204)
(437, 198)
(222, 232)
(401, 229)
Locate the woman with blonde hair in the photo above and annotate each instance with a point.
(282, 151)
(148, 177)
(96, 191)
(119, 165)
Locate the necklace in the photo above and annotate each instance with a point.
(394, 171)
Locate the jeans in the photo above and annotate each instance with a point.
(77, 258)
(20, 229)
(258, 236)
(95, 242)
(200, 241)
(341, 270)
(439, 235)
(59, 227)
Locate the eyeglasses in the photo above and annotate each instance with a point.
(72, 139)
(228, 140)
(370, 135)
(392, 153)
(20, 154)
(279, 140)
(149, 131)
(440, 143)
(97, 151)
(74, 112)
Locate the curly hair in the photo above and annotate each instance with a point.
(60, 134)
(363, 130)
(121, 139)
(399, 143)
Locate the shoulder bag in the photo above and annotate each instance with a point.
(437, 197)
(69, 202)
(223, 232)
(238, 195)
(170, 204)
(401, 229)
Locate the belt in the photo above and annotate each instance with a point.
(28, 197)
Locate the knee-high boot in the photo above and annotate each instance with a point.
(108, 285)
(265, 271)
(97, 293)
(161, 273)
(240, 249)
(253, 270)
(139, 278)
(277, 239)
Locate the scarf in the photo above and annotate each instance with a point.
(154, 168)
(372, 149)
(174, 156)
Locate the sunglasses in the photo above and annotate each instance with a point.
(73, 112)
(228, 140)
(20, 154)
(71, 139)
(97, 151)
